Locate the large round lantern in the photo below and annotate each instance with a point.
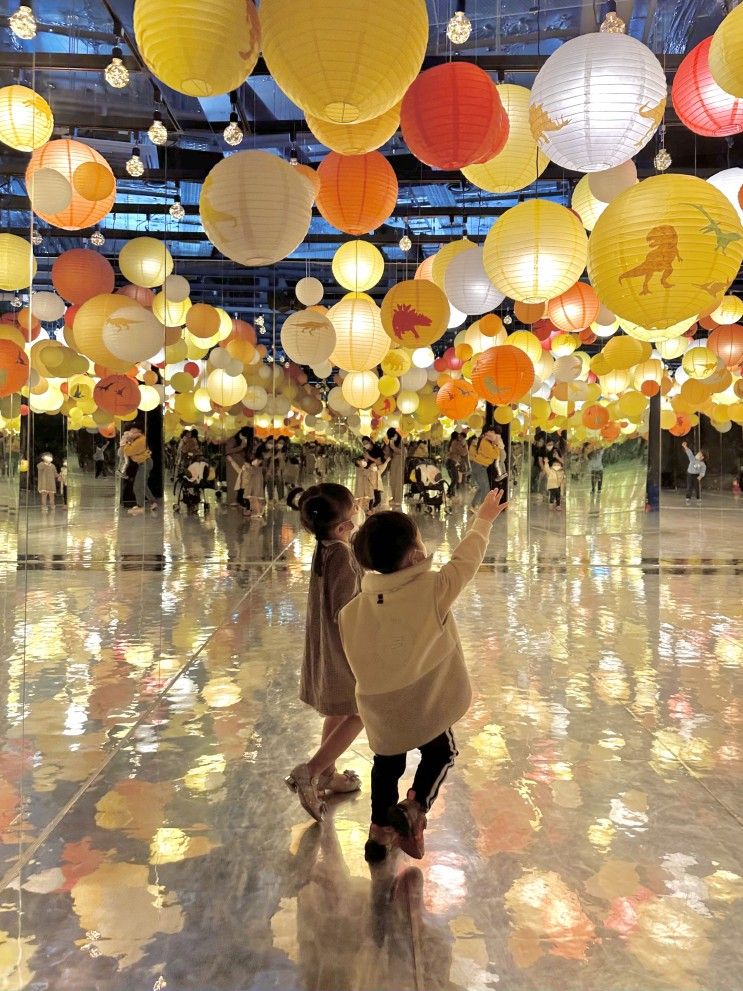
(132, 333)
(443, 258)
(224, 389)
(17, 263)
(727, 343)
(309, 291)
(117, 394)
(198, 49)
(358, 265)
(345, 61)
(356, 139)
(586, 205)
(308, 337)
(80, 274)
(146, 262)
(255, 208)
(665, 250)
(609, 183)
(452, 116)
(519, 163)
(47, 306)
(724, 54)
(502, 375)
(26, 119)
(361, 389)
(535, 251)
(361, 341)
(575, 309)
(357, 192)
(88, 327)
(415, 313)
(700, 103)
(457, 400)
(57, 167)
(730, 184)
(14, 368)
(467, 285)
(596, 101)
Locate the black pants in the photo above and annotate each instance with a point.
(436, 759)
(693, 486)
(555, 495)
(597, 479)
(100, 468)
(454, 476)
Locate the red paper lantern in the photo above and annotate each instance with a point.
(502, 375)
(357, 192)
(574, 309)
(452, 116)
(457, 400)
(701, 104)
(192, 369)
(727, 343)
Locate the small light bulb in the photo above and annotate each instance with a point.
(23, 23)
(612, 23)
(233, 134)
(135, 165)
(37, 238)
(97, 239)
(176, 210)
(405, 243)
(459, 28)
(157, 132)
(260, 321)
(116, 73)
(662, 160)
(16, 302)
(508, 319)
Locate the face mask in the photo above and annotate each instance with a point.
(46, 459)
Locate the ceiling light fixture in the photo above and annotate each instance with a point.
(176, 210)
(116, 73)
(37, 238)
(97, 239)
(233, 133)
(135, 165)
(459, 28)
(612, 23)
(158, 133)
(405, 243)
(23, 23)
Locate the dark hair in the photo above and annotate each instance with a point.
(195, 433)
(384, 541)
(322, 507)
(393, 433)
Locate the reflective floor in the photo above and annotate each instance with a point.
(589, 837)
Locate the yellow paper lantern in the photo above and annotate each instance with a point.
(632, 405)
(389, 385)
(676, 330)
(564, 344)
(17, 263)
(356, 139)
(624, 352)
(444, 256)
(224, 389)
(361, 340)
(415, 313)
(586, 205)
(396, 362)
(614, 382)
(361, 389)
(202, 321)
(26, 119)
(730, 310)
(520, 163)
(195, 48)
(358, 265)
(170, 314)
(344, 61)
(665, 250)
(725, 62)
(535, 251)
(146, 262)
(88, 328)
(699, 362)
(479, 341)
(255, 208)
(407, 402)
(672, 348)
(525, 341)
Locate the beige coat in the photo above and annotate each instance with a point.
(403, 647)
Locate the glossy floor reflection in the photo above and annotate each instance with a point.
(589, 836)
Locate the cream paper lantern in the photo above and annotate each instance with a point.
(611, 182)
(224, 389)
(149, 398)
(323, 370)
(255, 208)
(308, 337)
(47, 306)
(361, 389)
(338, 403)
(414, 379)
(358, 266)
(50, 192)
(596, 101)
(585, 204)
(423, 357)
(176, 288)
(730, 183)
(255, 398)
(133, 333)
(309, 291)
(467, 285)
(443, 257)
(361, 340)
(408, 402)
(146, 262)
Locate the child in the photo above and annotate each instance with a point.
(555, 478)
(46, 481)
(694, 473)
(327, 683)
(364, 486)
(411, 681)
(63, 483)
(253, 485)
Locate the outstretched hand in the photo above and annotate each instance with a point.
(492, 506)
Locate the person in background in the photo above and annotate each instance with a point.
(236, 452)
(63, 483)
(482, 455)
(375, 459)
(404, 650)
(326, 682)
(456, 461)
(292, 467)
(364, 485)
(310, 462)
(694, 473)
(46, 481)
(134, 447)
(396, 458)
(253, 485)
(99, 460)
(555, 479)
(202, 474)
(596, 467)
(500, 461)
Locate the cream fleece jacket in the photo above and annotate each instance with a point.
(403, 647)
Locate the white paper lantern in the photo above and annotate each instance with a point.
(596, 101)
(337, 402)
(361, 340)
(423, 358)
(408, 402)
(322, 370)
(255, 398)
(133, 333)
(176, 288)
(414, 379)
(149, 398)
(361, 389)
(224, 389)
(456, 317)
(729, 182)
(309, 291)
(47, 306)
(308, 337)
(611, 182)
(467, 285)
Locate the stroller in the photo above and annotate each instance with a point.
(187, 493)
(428, 490)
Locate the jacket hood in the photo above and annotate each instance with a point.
(374, 582)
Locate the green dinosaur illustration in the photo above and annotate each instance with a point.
(723, 238)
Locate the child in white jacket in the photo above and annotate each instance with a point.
(403, 647)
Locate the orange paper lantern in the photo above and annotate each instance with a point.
(490, 325)
(452, 116)
(529, 313)
(203, 320)
(575, 309)
(79, 274)
(357, 192)
(727, 343)
(13, 368)
(595, 417)
(65, 157)
(457, 399)
(502, 375)
(117, 394)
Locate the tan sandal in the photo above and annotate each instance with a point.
(338, 782)
(305, 788)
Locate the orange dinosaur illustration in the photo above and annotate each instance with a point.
(405, 320)
(653, 114)
(541, 122)
(663, 241)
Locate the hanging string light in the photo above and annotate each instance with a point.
(116, 73)
(176, 210)
(612, 23)
(459, 27)
(135, 165)
(37, 238)
(233, 133)
(23, 23)
(157, 132)
(405, 243)
(97, 239)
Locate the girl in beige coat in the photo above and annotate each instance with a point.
(402, 644)
(327, 684)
